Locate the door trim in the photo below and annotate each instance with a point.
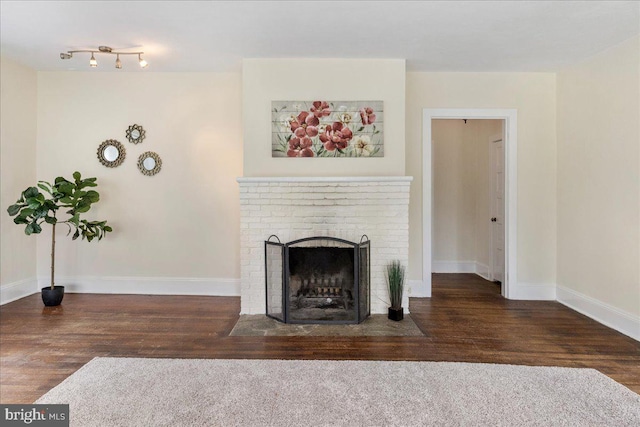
(510, 117)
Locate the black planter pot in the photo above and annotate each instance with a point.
(396, 314)
(52, 297)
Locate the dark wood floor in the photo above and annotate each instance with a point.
(466, 320)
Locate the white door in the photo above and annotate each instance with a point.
(497, 211)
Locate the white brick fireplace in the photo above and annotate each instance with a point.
(344, 207)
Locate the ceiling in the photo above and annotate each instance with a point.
(215, 36)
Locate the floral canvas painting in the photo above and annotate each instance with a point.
(327, 129)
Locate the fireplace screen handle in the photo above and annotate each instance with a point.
(363, 238)
(273, 235)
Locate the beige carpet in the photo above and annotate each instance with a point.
(196, 392)
(376, 325)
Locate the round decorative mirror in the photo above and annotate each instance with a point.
(111, 153)
(135, 134)
(149, 163)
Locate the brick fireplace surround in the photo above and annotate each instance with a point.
(344, 207)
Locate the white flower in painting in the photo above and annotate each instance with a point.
(362, 145)
(345, 118)
(285, 122)
(341, 115)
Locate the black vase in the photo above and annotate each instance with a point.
(396, 314)
(52, 297)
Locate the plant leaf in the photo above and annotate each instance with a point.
(66, 188)
(93, 196)
(51, 205)
(75, 220)
(26, 212)
(36, 201)
(40, 212)
(14, 209)
(88, 182)
(30, 192)
(82, 207)
(44, 187)
(20, 220)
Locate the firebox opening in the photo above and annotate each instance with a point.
(321, 284)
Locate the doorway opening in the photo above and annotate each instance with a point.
(507, 179)
(468, 198)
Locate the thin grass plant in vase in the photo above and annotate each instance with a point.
(395, 282)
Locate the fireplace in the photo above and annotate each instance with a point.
(317, 280)
(343, 207)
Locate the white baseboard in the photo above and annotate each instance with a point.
(16, 290)
(453, 266)
(416, 289)
(148, 285)
(532, 292)
(601, 312)
(482, 270)
(476, 267)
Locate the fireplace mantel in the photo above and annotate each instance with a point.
(343, 207)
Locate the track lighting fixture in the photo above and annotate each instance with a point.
(105, 49)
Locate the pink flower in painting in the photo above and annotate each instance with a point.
(367, 116)
(300, 147)
(336, 136)
(320, 109)
(305, 124)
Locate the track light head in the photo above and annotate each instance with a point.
(118, 62)
(93, 61)
(142, 62)
(66, 55)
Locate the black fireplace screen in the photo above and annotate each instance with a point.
(317, 280)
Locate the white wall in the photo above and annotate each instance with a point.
(18, 94)
(454, 198)
(533, 95)
(599, 185)
(266, 80)
(178, 228)
(461, 167)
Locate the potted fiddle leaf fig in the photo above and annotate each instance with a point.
(34, 208)
(395, 282)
